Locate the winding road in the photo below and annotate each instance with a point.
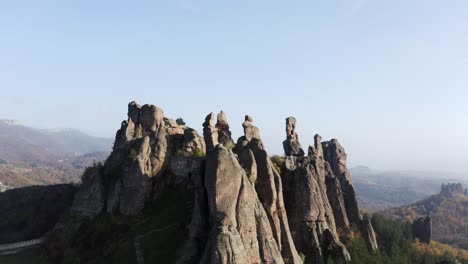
(12, 248)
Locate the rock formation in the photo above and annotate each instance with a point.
(291, 145)
(267, 183)
(247, 222)
(245, 211)
(150, 152)
(336, 156)
(320, 199)
(422, 229)
(449, 189)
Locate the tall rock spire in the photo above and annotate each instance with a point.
(319, 197)
(291, 145)
(256, 161)
(246, 212)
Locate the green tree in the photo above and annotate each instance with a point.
(180, 121)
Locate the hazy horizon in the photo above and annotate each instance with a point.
(387, 79)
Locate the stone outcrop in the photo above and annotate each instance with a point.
(267, 182)
(224, 134)
(89, 199)
(320, 200)
(422, 229)
(449, 189)
(245, 210)
(336, 156)
(247, 221)
(291, 145)
(148, 149)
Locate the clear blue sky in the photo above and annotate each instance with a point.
(389, 79)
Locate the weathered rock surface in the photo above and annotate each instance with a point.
(320, 199)
(291, 145)
(148, 149)
(245, 211)
(336, 156)
(247, 220)
(267, 182)
(89, 199)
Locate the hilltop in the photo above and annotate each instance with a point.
(449, 213)
(380, 190)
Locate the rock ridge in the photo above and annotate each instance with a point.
(245, 209)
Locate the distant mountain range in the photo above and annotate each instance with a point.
(381, 190)
(30, 156)
(52, 141)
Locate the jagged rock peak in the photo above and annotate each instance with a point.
(210, 132)
(247, 221)
(134, 111)
(222, 122)
(318, 193)
(148, 150)
(336, 156)
(452, 188)
(245, 211)
(217, 132)
(314, 201)
(250, 131)
(291, 145)
(316, 151)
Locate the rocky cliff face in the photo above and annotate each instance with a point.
(150, 152)
(246, 220)
(320, 198)
(245, 210)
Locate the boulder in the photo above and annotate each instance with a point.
(151, 117)
(250, 131)
(134, 110)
